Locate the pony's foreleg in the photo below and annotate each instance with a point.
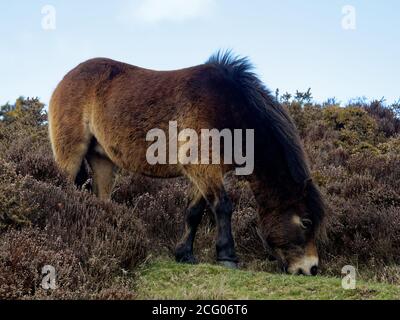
(209, 180)
(193, 216)
(222, 208)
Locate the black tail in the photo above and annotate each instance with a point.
(82, 180)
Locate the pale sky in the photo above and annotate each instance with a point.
(293, 44)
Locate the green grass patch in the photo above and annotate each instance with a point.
(168, 280)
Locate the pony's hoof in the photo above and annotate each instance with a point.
(229, 264)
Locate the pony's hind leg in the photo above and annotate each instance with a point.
(193, 216)
(103, 174)
(70, 145)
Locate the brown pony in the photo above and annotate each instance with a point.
(103, 109)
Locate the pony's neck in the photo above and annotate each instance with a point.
(273, 182)
(274, 188)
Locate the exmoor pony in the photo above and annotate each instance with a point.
(102, 111)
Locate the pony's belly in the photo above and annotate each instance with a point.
(136, 162)
(155, 171)
(159, 171)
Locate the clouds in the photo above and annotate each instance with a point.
(156, 11)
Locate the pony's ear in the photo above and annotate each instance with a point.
(306, 185)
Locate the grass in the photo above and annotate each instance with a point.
(167, 280)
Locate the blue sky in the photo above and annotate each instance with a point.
(293, 44)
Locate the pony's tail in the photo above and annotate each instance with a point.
(83, 178)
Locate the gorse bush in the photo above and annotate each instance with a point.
(96, 246)
(14, 209)
(353, 124)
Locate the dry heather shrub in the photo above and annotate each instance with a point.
(363, 224)
(384, 168)
(34, 157)
(106, 237)
(129, 186)
(385, 117)
(245, 220)
(163, 214)
(24, 253)
(363, 231)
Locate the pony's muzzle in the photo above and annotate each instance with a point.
(307, 266)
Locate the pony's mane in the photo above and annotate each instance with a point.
(266, 111)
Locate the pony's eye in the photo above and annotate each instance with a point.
(306, 224)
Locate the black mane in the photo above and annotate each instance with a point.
(267, 110)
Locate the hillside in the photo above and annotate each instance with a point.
(99, 249)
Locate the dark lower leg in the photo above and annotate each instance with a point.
(225, 243)
(194, 214)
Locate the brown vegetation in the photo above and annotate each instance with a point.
(96, 246)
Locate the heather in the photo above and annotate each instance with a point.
(98, 247)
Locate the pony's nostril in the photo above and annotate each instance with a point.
(314, 270)
(300, 272)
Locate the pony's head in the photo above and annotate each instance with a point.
(289, 232)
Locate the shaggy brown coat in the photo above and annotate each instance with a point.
(103, 109)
